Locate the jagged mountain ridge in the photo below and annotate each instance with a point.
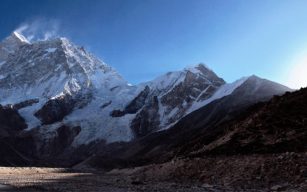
(166, 99)
(55, 83)
(200, 126)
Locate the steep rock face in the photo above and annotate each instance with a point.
(136, 104)
(56, 145)
(166, 99)
(10, 121)
(148, 120)
(55, 109)
(11, 125)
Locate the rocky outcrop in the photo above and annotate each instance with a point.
(10, 122)
(136, 104)
(106, 104)
(55, 146)
(11, 152)
(148, 119)
(25, 103)
(56, 109)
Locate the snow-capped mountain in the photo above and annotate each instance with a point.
(166, 99)
(53, 79)
(55, 84)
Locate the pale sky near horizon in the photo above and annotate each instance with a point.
(143, 39)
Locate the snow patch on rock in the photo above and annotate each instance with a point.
(223, 91)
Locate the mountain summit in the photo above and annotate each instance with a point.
(10, 44)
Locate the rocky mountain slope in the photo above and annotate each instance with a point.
(205, 123)
(272, 127)
(261, 148)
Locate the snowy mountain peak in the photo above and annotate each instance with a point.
(46, 69)
(167, 98)
(194, 68)
(19, 37)
(15, 38)
(11, 44)
(190, 74)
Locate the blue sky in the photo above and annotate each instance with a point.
(146, 38)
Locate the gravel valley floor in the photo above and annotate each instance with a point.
(60, 180)
(279, 172)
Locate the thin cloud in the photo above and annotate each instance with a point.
(39, 29)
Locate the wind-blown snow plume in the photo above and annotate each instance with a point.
(39, 29)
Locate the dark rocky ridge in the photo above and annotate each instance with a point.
(56, 109)
(277, 126)
(25, 103)
(264, 148)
